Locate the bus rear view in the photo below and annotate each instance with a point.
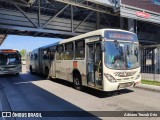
(10, 62)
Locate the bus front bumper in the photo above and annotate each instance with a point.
(9, 72)
(108, 86)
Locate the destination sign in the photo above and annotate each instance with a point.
(117, 35)
(8, 51)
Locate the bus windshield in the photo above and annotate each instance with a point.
(10, 59)
(121, 55)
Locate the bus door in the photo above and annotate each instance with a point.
(46, 61)
(94, 64)
(52, 63)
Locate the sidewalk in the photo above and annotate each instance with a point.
(148, 87)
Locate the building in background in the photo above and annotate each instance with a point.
(143, 18)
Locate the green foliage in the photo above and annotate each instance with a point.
(23, 53)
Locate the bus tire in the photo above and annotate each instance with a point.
(77, 82)
(31, 71)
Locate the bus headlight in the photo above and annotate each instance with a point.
(110, 78)
(138, 76)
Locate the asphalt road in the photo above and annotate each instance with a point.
(33, 93)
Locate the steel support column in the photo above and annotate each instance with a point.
(72, 19)
(39, 13)
(98, 20)
(131, 25)
(121, 23)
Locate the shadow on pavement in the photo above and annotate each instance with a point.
(17, 78)
(37, 77)
(29, 97)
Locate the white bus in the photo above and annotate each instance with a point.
(10, 62)
(106, 59)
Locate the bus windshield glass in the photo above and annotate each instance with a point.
(9, 59)
(121, 55)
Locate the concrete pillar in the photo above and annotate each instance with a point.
(131, 25)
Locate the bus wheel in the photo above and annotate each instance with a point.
(77, 82)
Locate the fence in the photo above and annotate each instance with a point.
(150, 62)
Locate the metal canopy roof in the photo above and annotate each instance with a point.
(107, 2)
(56, 18)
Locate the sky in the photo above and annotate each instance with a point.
(26, 42)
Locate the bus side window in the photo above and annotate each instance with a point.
(31, 56)
(35, 56)
(68, 55)
(52, 52)
(45, 54)
(59, 54)
(80, 49)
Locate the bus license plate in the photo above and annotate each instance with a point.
(123, 85)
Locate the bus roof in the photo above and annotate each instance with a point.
(46, 46)
(10, 49)
(96, 32)
(50, 45)
(92, 33)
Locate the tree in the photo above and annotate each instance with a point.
(23, 53)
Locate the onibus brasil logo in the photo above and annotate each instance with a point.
(21, 114)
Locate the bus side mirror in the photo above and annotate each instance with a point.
(102, 46)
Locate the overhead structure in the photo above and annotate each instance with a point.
(66, 18)
(56, 18)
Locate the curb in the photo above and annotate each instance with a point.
(148, 87)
